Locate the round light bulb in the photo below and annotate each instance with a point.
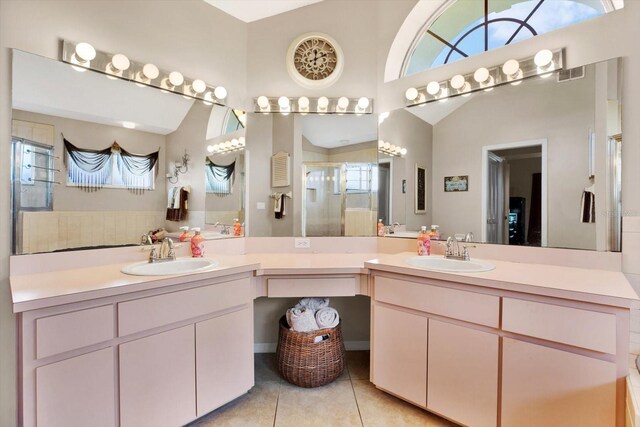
(403, 151)
(363, 103)
(208, 98)
(387, 145)
(176, 78)
(380, 143)
(227, 144)
(481, 75)
(511, 68)
(411, 94)
(283, 102)
(323, 102)
(343, 102)
(263, 101)
(150, 71)
(234, 142)
(543, 58)
(210, 148)
(241, 141)
(220, 92)
(85, 51)
(457, 81)
(433, 88)
(392, 148)
(303, 102)
(120, 62)
(397, 150)
(198, 86)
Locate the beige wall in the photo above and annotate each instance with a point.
(561, 113)
(96, 136)
(408, 131)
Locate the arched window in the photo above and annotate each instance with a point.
(469, 27)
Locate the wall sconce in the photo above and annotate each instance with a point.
(321, 105)
(179, 167)
(513, 71)
(393, 150)
(227, 146)
(82, 56)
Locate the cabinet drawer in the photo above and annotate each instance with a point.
(592, 330)
(462, 305)
(68, 331)
(320, 287)
(147, 313)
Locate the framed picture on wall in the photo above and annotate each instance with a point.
(420, 189)
(456, 183)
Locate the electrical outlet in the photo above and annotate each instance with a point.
(302, 243)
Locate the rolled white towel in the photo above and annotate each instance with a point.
(301, 319)
(327, 317)
(314, 304)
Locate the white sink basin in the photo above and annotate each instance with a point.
(437, 263)
(179, 266)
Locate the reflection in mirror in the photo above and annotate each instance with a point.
(340, 175)
(534, 164)
(92, 111)
(225, 172)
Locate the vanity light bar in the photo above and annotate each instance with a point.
(82, 56)
(320, 105)
(236, 144)
(543, 64)
(386, 147)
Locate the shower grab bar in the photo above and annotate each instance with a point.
(43, 180)
(29, 166)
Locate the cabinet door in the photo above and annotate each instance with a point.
(543, 386)
(157, 379)
(77, 392)
(224, 359)
(400, 353)
(463, 374)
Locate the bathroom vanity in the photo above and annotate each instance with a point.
(517, 345)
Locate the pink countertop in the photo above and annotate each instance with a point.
(45, 289)
(600, 286)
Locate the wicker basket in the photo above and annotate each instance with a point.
(306, 363)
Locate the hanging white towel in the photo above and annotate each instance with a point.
(588, 207)
(327, 317)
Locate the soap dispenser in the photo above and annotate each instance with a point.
(380, 228)
(185, 234)
(237, 227)
(197, 243)
(424, 242)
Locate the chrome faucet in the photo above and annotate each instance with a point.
(146, 240)
(167, 252)
(455, 253)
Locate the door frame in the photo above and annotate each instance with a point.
(485, 182)
(390, 195)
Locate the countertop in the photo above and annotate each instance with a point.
(600, 286)
(39, 290)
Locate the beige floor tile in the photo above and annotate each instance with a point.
(379, 409)
(358, 364)
(330, 405)
(266, 367)
(255, 409)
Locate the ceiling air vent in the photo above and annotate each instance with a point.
(572, 74)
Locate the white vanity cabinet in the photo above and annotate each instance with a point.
(157, 357)
(482, 356)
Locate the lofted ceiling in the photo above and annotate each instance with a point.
(333, 131)
(254, 10)
(45, 86)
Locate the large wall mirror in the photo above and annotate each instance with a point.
(59, 206)
(534, 164)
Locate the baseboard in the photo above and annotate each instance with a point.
(270, 347)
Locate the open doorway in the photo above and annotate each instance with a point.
(514, 188)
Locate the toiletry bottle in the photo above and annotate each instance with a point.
(185, 234)
(434, 234)
(380, 228)
(237, 227)
(424, 242)
(197, 244)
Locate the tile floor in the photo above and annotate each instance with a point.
(351, 400)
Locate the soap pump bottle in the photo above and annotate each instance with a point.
(185, 234)
(197, 244)
(380, 228)
(434, 234)
(237, 227)
(424, 242)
